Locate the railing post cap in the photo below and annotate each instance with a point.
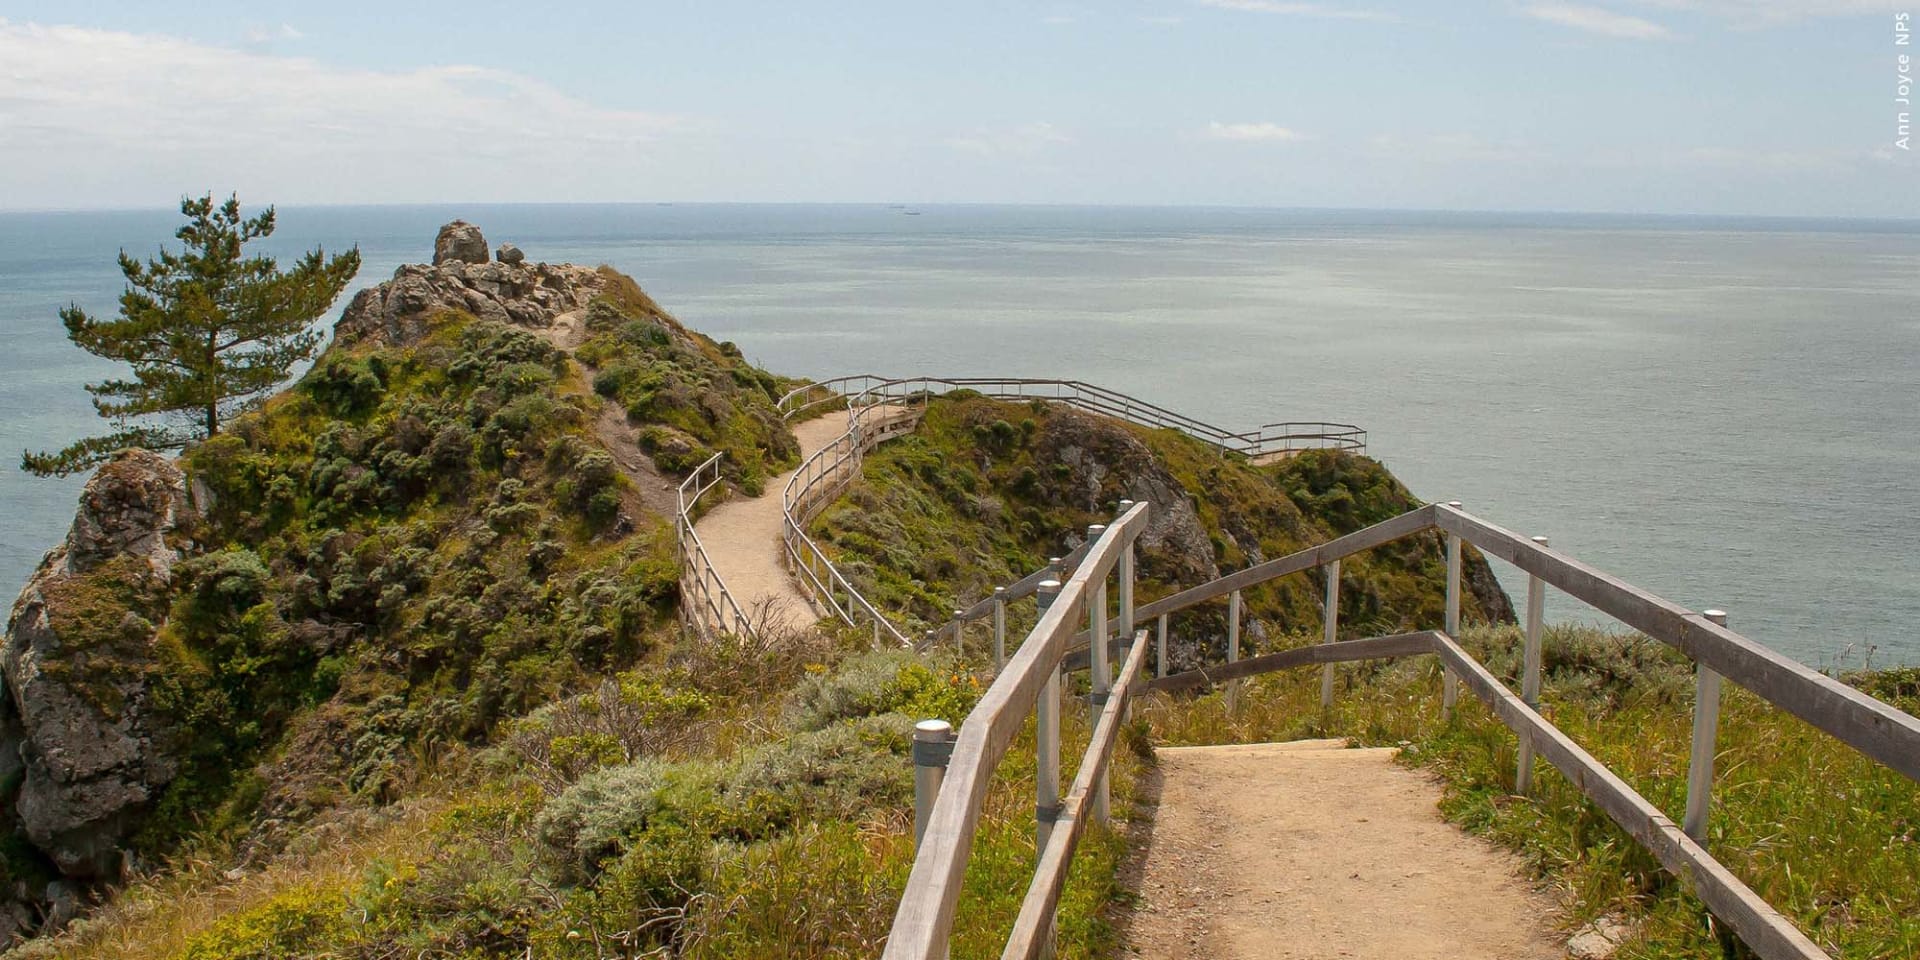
(1540, 540)
(1717, 616)
(1454, 504)
(932, 730)
(1096, 529)
(957, 614)
(997, 591)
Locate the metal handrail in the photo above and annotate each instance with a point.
(1878, 730)
(868, 388)
(716, 608)
(831, 468)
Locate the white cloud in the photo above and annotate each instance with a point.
(261, 35)
(1261, 132)
(1318, 10)
(1022, 141)
(1767, 12)
(1595, 20)
(124, 118)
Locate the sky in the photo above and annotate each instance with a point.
(1766, 107)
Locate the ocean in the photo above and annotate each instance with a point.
(1723, 411)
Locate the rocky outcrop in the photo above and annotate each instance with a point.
(460, 241)
(528, 295)
(77, 731)
(1109, 463)
(510, 254)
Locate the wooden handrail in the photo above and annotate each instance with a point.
(924, 919)
(1878, 730)
(1034, 925)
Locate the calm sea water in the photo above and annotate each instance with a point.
(1726, 412)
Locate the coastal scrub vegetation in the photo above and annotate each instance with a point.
(206, 331)
(734, 799)
(412, 545)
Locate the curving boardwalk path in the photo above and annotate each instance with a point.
(742, 537)
(1320, 851)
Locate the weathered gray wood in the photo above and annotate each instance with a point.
(924, 919)
(1758, 925)
(1035, 921)
(1372, 648)
(1869, 726)
(1386, 531)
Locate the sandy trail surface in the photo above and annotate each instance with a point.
(1308, 849)
(742, 537)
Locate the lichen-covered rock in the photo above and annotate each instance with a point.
(529, 295)
(75, 724)
(461, 241)
(1103, 458)
(510, 254)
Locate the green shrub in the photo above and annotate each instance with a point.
(840, 771)
(590, 820)
(883, 681)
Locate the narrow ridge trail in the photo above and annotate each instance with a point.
(742, 537)
(1310, 850)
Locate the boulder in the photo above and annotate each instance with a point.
(510, 254)
(89, 753)
(461, 241)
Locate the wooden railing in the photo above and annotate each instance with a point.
(1029, 684)
(1876, 729)
(706, 605)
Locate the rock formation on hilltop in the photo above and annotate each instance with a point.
(461, 241)
(523, 294)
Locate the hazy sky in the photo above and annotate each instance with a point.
(1715, 106)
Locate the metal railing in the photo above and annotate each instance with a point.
(706, 605)
(871, 389)
(923, 922)
(881, 408)
(815, 484)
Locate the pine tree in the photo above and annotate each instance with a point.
(207, 332)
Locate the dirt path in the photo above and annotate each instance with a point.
(1320, 851)
(742, 537)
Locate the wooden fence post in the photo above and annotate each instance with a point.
(1233, 648)
(1530, 673)
(1706, 737)
(1046, 744)
(1101, 668)
(999, 627)
(1449, 681)
(932, 747)
(1160, 647)
(1330, 627)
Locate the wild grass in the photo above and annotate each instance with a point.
(1824, 834)
(723, 799)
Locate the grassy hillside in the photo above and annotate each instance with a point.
(984, 488)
